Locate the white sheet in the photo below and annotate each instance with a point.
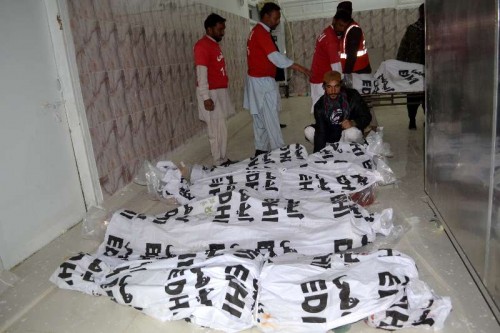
(393, 76)
(237, 220)
(230, 290)
(287, 172)
(315, 294)
(203, 260)
(213, 291)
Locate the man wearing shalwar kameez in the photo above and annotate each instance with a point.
(261, 91)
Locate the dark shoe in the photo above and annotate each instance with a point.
(228, 162)
(282, 125)
(259, 152)
(412, 125)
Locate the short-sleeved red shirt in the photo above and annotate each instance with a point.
(207, 52)
(259, 45)
(327, 52)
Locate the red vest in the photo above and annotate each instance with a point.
(362, 59)
(208, 53)
(259, 46)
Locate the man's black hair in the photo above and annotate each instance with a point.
(421, 11)
(343, 16)
(268, 8)
(345, 6)
(212, 20)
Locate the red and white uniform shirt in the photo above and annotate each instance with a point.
(208, 53)
(326, 53)
(259, 45)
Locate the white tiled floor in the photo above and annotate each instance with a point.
(35, 305)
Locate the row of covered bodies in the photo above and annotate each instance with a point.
(269, 242)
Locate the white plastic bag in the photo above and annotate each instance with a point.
(153, 176)
(95, 223)
(384, 170)
(376, 144)
(352, 134)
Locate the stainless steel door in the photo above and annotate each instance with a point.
(461, 133)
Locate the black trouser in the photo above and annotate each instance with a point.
(412, 103)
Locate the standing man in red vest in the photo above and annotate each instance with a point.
(261, 90)
(326, 56)
(353, 52)
(214, 104)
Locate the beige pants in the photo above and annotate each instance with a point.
(216, 122)
(217, 137)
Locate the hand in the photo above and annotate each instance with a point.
(301, 69)
(209, 104)
(346, 124)
(347, 80)
(306, 71)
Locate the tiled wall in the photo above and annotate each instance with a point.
(136, 70)
(383, 29)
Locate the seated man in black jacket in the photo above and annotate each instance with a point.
(340, 113)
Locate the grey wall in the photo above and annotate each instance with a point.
(462, 159)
